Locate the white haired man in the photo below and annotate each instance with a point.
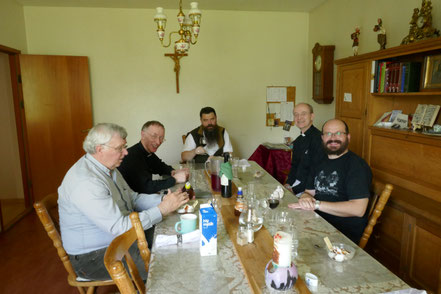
(95, 202)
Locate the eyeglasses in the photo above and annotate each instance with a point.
(119, 149)
(155, 137)
(337, 134)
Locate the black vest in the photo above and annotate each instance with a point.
(198, 135)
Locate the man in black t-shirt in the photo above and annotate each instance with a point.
(307, 150)
(339, 189)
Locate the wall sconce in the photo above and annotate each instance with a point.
(188, 32)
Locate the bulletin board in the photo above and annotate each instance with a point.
(280, 101)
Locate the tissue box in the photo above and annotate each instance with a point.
(208, 227)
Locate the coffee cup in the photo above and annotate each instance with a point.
(187, 223)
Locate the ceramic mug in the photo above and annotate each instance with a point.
(187, 223)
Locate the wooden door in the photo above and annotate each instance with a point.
(57, 104)
(352, 83)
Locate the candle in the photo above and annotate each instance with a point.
(282, 249)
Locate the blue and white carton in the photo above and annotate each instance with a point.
(208, 227)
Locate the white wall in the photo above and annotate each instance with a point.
(334, 21)
(237, 56)
(12, 26)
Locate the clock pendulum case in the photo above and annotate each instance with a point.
(322, 73)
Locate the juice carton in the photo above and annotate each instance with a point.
(208, 227)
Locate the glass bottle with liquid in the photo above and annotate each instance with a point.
(226, 185)
(239, 206)
(189, 189)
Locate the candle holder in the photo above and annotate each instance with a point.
(280, 278)
(280, 272)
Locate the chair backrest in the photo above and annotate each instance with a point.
(47, 211)
(119, 250)
(381, 194)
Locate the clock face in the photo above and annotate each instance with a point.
(420, 22)
(318, 63)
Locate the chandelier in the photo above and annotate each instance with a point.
(188, 32)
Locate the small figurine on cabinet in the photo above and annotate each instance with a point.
(381, 34)
(354, 36)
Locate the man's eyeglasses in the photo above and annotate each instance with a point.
(155, 137)
(337, 134)
(119, 149)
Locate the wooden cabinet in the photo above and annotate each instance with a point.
(408, 237)
(352, 89)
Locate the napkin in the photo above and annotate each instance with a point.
(167, 240)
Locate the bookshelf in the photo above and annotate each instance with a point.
(410, 160)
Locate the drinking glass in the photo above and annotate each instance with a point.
(251, 189)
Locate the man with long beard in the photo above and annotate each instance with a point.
(339, 188)
(207, 140)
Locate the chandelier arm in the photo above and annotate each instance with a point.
(169, 39)
(187, 33)
(195, 41)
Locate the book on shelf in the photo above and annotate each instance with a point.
(425, 115)
(412, 80)
(395, 77)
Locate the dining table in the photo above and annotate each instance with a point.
(241, 268)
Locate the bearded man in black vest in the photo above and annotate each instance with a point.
(207, 140)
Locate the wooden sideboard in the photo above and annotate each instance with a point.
(407, 238)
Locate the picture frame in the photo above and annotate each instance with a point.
(432, 72)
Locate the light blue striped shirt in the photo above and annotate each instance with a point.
(94, 205)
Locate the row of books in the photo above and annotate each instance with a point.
(396, 77)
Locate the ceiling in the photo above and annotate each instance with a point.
(241, 5)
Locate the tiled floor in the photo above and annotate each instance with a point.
(29, 262)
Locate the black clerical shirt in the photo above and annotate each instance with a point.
(307, 151)
(138, 167)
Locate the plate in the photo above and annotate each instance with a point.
(341, 252)
(187, 207)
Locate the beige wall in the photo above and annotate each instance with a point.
(10, 170)
(237, 56)
(333, 23)
(12, 26)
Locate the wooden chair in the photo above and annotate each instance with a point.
(119, 250)
(47, 211)
(381, 194)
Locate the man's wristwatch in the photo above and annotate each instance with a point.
(317, 204)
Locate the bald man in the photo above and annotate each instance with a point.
(339, 189)
(307, 149)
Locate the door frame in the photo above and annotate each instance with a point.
(20, 122)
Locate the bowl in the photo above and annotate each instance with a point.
(341, 252)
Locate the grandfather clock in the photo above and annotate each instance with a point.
(322, 73)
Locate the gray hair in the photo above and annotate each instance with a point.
(101, 134)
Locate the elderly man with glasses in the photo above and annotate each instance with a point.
(139, 166)
(95, 203)
(339, 189)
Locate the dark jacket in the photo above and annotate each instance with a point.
(138, 167)
(307, 150)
